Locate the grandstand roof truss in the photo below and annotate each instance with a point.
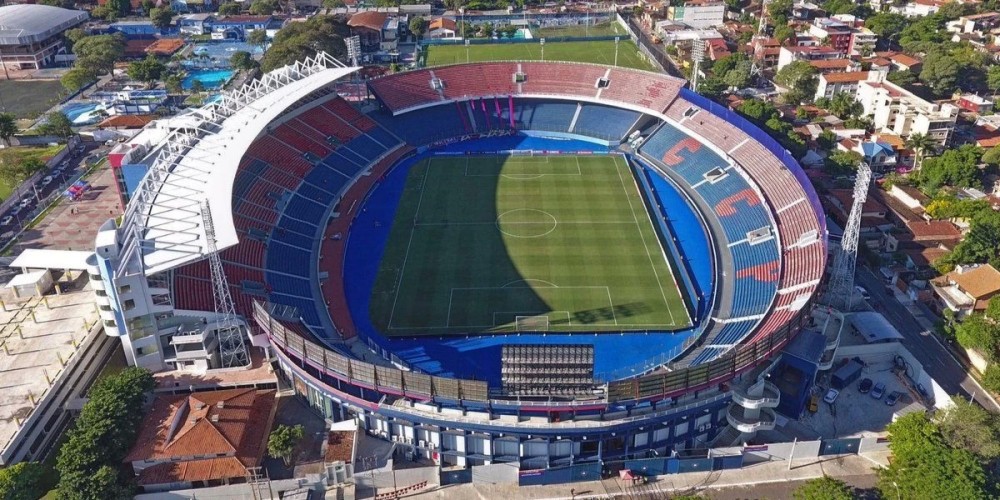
(162, 227)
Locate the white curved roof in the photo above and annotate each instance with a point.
(163, 225)
(23, 24)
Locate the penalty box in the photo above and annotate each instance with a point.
(520, 307)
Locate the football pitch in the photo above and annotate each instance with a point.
(599, 52)
(524, 243)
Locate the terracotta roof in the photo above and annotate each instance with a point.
(137, 48)
(986, 136)
(340, 446)
(905, 60)
(914, 193)
(979, 282)
(165, 46)
(193, 470)
(831, 63)
(126, 121)
(369, 19)
(933, 230)
(924, 256)
(443, 23)
(845, 76)
(226, 424)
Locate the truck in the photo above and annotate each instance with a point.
(846, 374)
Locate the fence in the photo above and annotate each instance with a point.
(651, 50)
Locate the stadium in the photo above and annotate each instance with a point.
(547, 264)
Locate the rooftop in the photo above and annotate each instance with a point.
(370, 20)
(980, 282)
(933, 230)
(24, 24)
(845, 77)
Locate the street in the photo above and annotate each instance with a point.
(938, 362)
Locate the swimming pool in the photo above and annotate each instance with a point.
(83, 113)
(209, 78)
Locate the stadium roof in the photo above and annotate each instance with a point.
(38, 258)
(197, 164)
(26, 24)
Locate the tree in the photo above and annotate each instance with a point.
(799, 78)
(888, 26)
(981, 243)
(197, 87)
(174, 83)
(161, 17)
(823, 488)
(993, 307)
(333, 4)
(297, 41)
(257, 38)
(845, 106)
(281, 443)
(16, 173)
(843, 162)
(264, 7)
(22, 481)
(8, 127)
(119, 8)
(57, 124)
(923, 466)
(229, 9)
(106, 429)
(242, 59)
(104, 12)
(904, 78)
(979, 333)
(968, 426)
(76, 78)
(783, 34)
(955, 167)
(66, 4)
(758, 110)
(993, 79)
(418, 26)
(147, 70)
(738, 78)
(991, 378)
(940, 72)
(920, 144)
(98, 53)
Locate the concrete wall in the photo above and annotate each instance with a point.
(495, 474)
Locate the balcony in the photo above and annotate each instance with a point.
(768, 399)
(764, 421)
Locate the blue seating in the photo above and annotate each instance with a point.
(292, 238)
(298, 226)
(305, 210)
(382, 137)
(554, 116)
(287, 259)
(413, 127)
(604, 121)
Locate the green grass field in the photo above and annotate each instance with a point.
(600, 52)
(30, 98)
(523, 243)
(601, 29)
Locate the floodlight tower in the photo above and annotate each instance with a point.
(841, 291)
(697, 56)
(232, 349)
(757, 66)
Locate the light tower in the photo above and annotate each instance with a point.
(697, 56)
(757, 66)
(232, 349)
(841, 292)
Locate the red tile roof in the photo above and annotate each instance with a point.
(369, 19)
(126, 121)
(845, 76)
(933, 230)
(165, 46)
(229, 424)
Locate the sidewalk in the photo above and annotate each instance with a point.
(843, 466)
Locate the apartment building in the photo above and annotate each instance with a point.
(699, 13)
(836, 82)
(898, 111)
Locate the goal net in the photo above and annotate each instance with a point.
(531, 323)
(522, 152)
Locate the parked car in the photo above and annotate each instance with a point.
(878, 391)
(25, 202)
(862, 292)
(865, 385)
(893, 398)
(16, 209)
(831, 396)
(46, 180)
(814, 403)
(6, 220)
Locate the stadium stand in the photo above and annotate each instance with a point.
(604, 121)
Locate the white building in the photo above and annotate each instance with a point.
(917, 8)
(834, 83)
(699, 13)
(898, 111)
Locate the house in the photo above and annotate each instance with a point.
(202, 439)
(31, 35)
(909, 196)
(698, 13)
(900, 112)
(239, 27)
(716, 49)
(442, 27)
(863, 42)
(196, 24)
(378, 31)
(873, 214)
(834, 33)
(831, 84)
(976, 23)
(917, 8)
(806, 11)
(878, 155)
(967, 289)
(975, 104)
(834, 65)
(766, 51)
(787, 55)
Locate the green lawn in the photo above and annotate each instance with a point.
(601, 52)
(602, 29)
(29, 98)
(555, 243)
(11, 156)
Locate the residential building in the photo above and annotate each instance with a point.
(976, 23)
(442, 27)
(378, 31)
(862, 43)
(202, 439)
(834, 65)
(975, 104)
(766, 51)
(917, 8)
(787, 55)
(898, 111)
(239, 27)
(196, 24)
(806, 11)
(31, 35)
(834, 33)
(878, 155)
(698, 13)
(834, 83)
(967, 289)
(910, 196)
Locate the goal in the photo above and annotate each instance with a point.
(531, 323)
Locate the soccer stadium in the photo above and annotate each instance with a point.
(549, 264)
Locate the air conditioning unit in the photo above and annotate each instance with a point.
(396, 438)
(422, 443)
(409, 441)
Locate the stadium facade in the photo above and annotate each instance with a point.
(295, 178)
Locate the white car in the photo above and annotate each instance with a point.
(46, 180)
(831, 396)
(862, 292)
(25, 202)
(6, 220)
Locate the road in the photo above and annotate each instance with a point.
(935, 358)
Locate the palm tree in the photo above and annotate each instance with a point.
(8, 127)
(920, 144)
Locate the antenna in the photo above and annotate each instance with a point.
(232, 349)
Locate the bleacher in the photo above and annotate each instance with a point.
(414, 129)
(535, 114)
(604, 121)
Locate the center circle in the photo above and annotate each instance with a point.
(526, 223)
